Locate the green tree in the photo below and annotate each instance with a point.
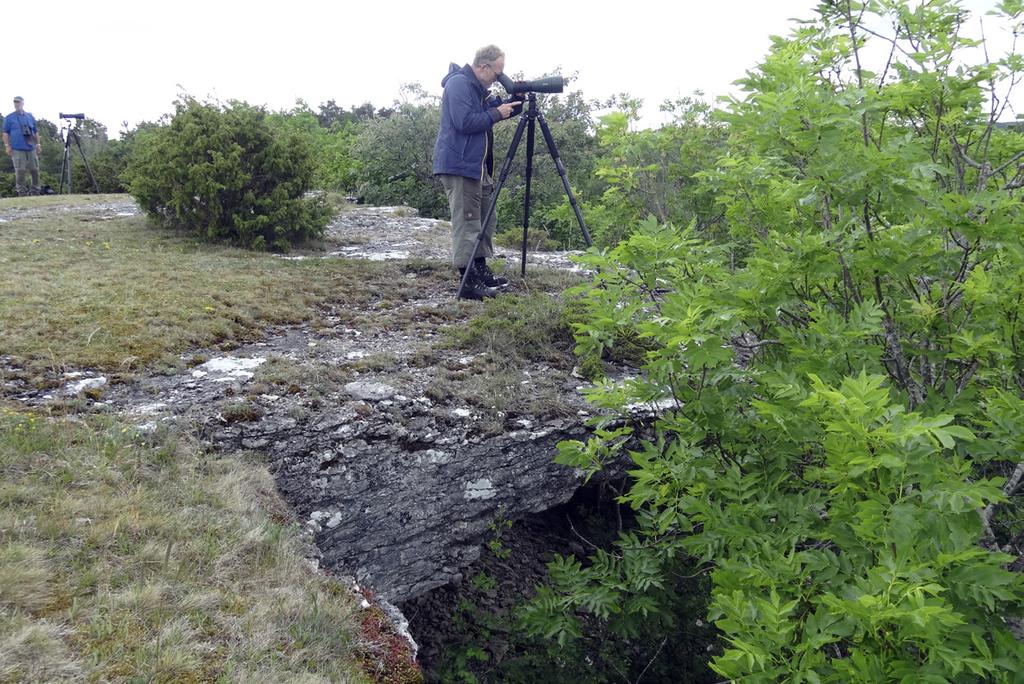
(395, 155)
(110, 163)
(654, 172)
(335, 168)
(52, 149)
(841, 380)
(225, 173)
(332, 116)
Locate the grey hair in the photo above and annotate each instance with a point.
(487, 55)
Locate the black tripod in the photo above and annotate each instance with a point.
(72, 134)
(527, 121)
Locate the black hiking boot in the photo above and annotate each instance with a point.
(487, 275)
(475, 287)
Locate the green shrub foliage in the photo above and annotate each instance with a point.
(394, 155)
(225, 174)
(654, 172)
(840, 378)
(334, 165)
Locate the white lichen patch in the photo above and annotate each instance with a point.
(479, 489)
(150, 408)
(229, 368)
(86, 384)
(433, 457)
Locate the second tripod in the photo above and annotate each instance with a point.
(528, 122)
(69, 133)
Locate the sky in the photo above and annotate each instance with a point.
(119, 61)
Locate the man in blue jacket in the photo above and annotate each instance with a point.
(21, 142)
(464, 162)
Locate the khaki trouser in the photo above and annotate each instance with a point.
(468, 200)
(25, 163)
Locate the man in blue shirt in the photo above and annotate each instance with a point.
(21, 142)
(463, 161)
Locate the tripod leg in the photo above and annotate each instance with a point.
(506, 166)
(78, 142)
(565, 178)
(65, 164)
(530, 133)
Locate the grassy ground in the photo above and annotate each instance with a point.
(81, 290)
(123, 558)
(514, 338)
(131, 559)
(115, 294)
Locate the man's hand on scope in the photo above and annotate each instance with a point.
(506, 110)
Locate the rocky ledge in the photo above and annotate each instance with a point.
(396, 472)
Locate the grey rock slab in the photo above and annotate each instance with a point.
(79, 386)
(406, 517)
(370, 391)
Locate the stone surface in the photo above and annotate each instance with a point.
(399, 488)
(397, 512)
(85, 384)
(370, 391)
(394, 233)
(228, 368)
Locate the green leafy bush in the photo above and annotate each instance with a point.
(335, 167)
(654, 172)
(395, 156)
(225, 174)
(840, 379)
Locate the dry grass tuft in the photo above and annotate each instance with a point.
(24, 578)
(148, 557)
(36, 651)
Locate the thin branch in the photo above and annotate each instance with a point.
(651, 661)
(893, 40)
(580, 536)
(1014, 158)
(1012, 485)
(860, 75)
(754, 345)
(963, 155)
(966, 377)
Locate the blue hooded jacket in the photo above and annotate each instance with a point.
(463, 144)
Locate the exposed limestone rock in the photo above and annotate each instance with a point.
(395, 233)
(84, 385)
(403, 509)
(370, 391)
(228, 368)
